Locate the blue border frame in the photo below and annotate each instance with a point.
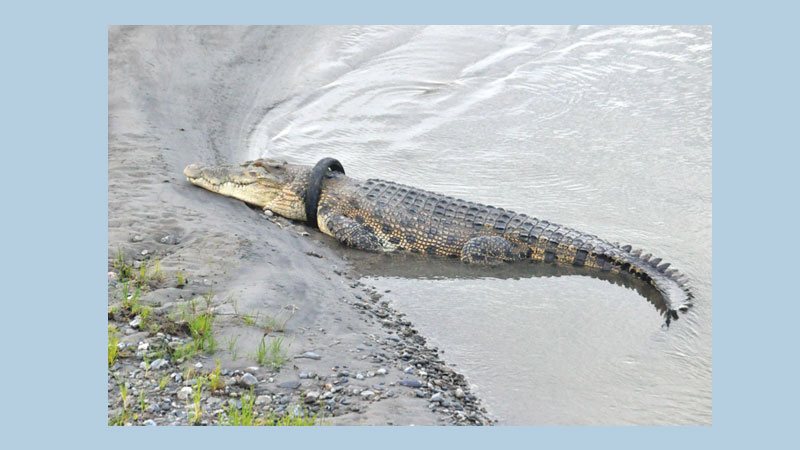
(55, 99)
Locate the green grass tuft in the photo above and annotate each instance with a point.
(232, 416)
(271, 354)
(113, 341)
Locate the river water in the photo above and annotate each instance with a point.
(603, 129)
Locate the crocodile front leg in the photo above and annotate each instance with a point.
(349, 232)
(493, 250)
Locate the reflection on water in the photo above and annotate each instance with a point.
(603, 129)
(421, 267)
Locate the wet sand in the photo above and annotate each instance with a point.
(178, 96)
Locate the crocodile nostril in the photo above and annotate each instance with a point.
(193, 170)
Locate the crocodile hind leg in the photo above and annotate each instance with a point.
(492, 250)
(349, 232)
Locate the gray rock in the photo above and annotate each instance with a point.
(408, 370)
(410, 383)
(136, 322)
(170, 240)
(159, 363)
(382, 371)
(263, 400)
(359, 376)
(459, 393)
(184, 393)
(292, 384)
(309, 355)
(437, 397)
(303, 375)
(367, 394)
(419, 393)
(248, 380)
(150, 423)
(311, 396)
(137, 238)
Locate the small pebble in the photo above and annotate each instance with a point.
(292, 384)
(248, 380)
(170, 240)
(367, 394)
(184, 393)
(309, 355)
(159, 363)
(311, 396)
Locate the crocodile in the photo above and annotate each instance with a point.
(379, 215)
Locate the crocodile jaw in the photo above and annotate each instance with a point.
(251, 184)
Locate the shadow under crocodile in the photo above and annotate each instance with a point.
(423, 267)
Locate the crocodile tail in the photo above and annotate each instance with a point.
(545, 239)
(672, 285)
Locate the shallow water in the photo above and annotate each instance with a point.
(603, 129)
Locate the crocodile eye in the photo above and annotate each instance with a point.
(274, 163)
